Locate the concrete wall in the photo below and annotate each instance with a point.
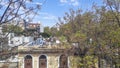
(19, 40)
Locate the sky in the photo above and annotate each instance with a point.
(52, 9)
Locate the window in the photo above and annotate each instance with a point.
(28, 62)
(42, 61)
(63, 61)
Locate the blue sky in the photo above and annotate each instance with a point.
(52, 9)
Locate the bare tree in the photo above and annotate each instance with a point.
(17, 10)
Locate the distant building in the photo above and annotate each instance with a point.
(41, 28)
(38, 26)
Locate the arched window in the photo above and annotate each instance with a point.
(42, 61)
(63, 61)
(28, 62)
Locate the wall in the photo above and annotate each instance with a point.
(19, 40)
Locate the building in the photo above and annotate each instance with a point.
(44, 57)
(18, 40)
(38, 26)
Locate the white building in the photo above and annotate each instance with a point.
(18, 40)
(41, 28)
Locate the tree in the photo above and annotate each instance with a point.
(78, 28)
(47, 30)
(13, 29)
(16, 10)
(104, 34)
(100, 25)
(114, 6)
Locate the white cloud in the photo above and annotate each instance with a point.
(47, 16)
(70, 2)
(63, 1)
(50, 17)
(73, 0)
(43, 13)
(4, 3)
(36, 3)
(75, 3)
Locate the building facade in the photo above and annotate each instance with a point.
(38, 26)
(44, 57)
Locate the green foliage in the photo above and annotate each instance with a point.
(101, 26)
(13, 28)
(62, 39)
(78, 37)
(86, 62)
(45, 35)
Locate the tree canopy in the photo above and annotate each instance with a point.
(97, 31)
